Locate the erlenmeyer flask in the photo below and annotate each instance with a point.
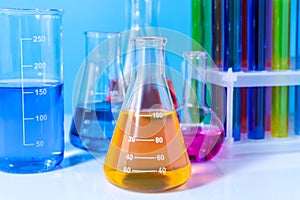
(202, 130)
(147, 151)
(99, 95)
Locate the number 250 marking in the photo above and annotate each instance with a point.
(39, 38)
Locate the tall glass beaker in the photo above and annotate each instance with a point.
(31, 90)
(147, 152)
(142, 19)
(140, 14)
(99, 95)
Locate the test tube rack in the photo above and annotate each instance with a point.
(232, 80)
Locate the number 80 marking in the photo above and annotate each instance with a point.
(159, 140)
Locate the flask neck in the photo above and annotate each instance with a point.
(148, 88)
(150, 59)
(142, 13)
(194, 67)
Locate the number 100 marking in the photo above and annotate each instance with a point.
(41, 118)
(157, 115)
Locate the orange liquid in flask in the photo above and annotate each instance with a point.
(147, 152)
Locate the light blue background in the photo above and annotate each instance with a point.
(98, 15)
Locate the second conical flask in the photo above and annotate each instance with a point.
(147, 151)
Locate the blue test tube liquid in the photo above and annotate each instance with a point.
(233, 56)
(256, 62)
(297, 88)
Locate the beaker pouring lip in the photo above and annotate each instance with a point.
(150, 41)
(102, 34)
(30, 11)
(195, 54)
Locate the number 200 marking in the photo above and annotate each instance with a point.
(39, 65)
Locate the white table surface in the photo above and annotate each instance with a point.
(262, 176)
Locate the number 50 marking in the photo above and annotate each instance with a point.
(39, 143)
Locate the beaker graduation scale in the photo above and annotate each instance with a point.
(147, 151)
(31, 90)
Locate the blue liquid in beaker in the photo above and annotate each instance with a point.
(32, 129)
(93, 125)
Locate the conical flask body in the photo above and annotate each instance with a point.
(147, 151)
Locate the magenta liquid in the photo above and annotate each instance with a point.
(203, 142)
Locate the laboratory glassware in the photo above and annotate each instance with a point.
(31, 90)
(142, 19)
(139, 15)
(147, 151)
(99, 95)
(202, 130)
(280, 61)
